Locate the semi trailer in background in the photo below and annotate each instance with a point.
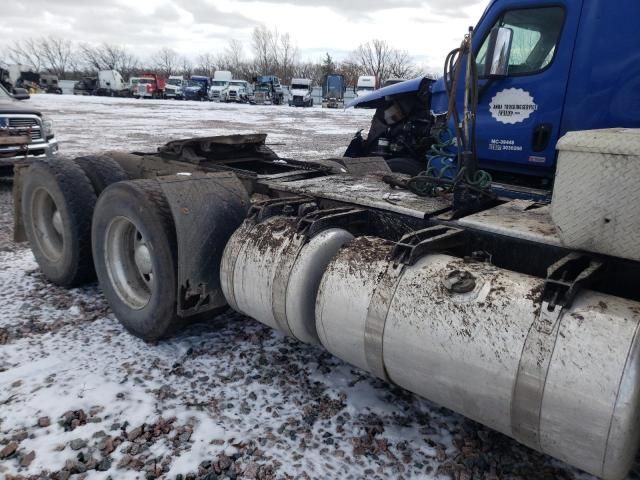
(333, 88)
(365, 85)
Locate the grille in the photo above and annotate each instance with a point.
(22, 125)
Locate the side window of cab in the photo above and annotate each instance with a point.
(536, 33)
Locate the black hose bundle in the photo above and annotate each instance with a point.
(435, 181)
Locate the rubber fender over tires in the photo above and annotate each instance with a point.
(407, 166)
(101, 170)
(57, 205)
(135, 252)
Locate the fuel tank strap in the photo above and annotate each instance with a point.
(377, 318)
(534, 364)
(281, 282)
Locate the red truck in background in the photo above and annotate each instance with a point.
(150, 85)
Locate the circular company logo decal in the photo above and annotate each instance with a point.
(512, 106)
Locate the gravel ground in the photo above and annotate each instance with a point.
(81, 398)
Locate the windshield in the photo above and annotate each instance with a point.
(334, 83)
(237, 84)
(146, 81)
(218, 83)
(175, 81)
(134, 81)
(365, 89)
(299, 87)
(4, 95)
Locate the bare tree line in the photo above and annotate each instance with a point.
(272, 53)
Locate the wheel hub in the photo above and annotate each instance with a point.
(129, 263)
(57, 222)
(142, 258)
(47, 224)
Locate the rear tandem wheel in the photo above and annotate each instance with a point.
(135, 252)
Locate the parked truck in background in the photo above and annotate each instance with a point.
(501, 282)
(198, 88)
(16, 92)
(221, 79)
(236, 91)
(132, 85)
(21, 75)
(175, 87)
(85, 86)
(300, 93)
(365, 85)
(49, 83)
(110, 84)
(150, 85)
(333, 88)
(267, 90)
(25, 133)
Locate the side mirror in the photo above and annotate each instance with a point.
(21, 94)
(498, 53)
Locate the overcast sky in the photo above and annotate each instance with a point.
(426, 29)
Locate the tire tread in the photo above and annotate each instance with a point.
(101, 170)
(81, 199)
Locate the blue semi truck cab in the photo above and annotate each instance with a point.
(572, 65)
(197, 88)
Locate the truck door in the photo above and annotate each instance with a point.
(519, 115)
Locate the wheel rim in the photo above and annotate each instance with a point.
(47, 223)
(129, 264)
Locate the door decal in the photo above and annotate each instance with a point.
(511, 106)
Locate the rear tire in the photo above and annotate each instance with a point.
(101, 170)
(135, 252)
(57, 205)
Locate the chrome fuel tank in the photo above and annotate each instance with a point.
(473, 338)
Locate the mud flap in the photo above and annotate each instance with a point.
(19, 171)
(207, 209)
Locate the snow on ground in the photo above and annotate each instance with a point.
(80, 397)
(103, 123)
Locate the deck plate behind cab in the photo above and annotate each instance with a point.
(520, 219)
(368, 191)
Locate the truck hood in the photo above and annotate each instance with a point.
(372, 99)
(12, 106)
